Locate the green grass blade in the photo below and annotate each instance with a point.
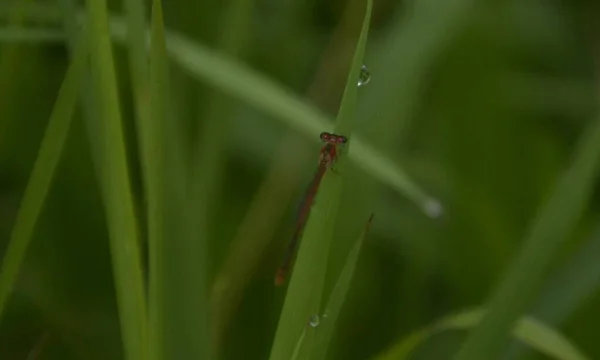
(115, 185)
(337, 297)
(25, 35)
(10, 56)
(68, 9)
(210, 160)
(305, 290)
(548, 231)
(346, 117)
(238, 80)
(139, 70)
(528, 330)
(562, 296)
(154, 174)
(42, 173)
(178, 311)
(408, 53)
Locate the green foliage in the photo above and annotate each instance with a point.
(158, 232)
(304, 294)
(531, 332)
(116, 189)
(43, 171)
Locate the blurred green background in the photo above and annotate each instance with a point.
(481, 103)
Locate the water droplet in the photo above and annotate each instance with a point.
(433, 208)
(326, 314)
(364, 77)
(314, 321)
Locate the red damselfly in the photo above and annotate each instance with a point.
(327, 157)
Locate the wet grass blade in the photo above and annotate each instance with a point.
(303, 299)
(338, 296)
(528, 330)
(549, 230)
(43, 172)
(116, 189)
(346, 117)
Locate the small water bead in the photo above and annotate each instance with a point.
(314, 321)
(364, 77)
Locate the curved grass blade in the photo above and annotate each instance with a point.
(338, 296)
(528, 330)
(547, 233)
(238, 80)
(561, 295)
(43, 172)
(116, 189)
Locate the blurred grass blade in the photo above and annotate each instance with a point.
(43, 172)
(235, 33)
(68, 9)
(116, 190)
(10, 56)
(527, 330)
(562, 296)
(138, 68)
(238, 80)
(25, 35)
(305, 290)
(150, 132)
(406, 346)
(337, 297)
(178, 298)
(210, 159)
(413, 44)
(550, 228)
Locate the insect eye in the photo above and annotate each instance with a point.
(325, 136)
(342, 139)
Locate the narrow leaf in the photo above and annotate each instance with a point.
(43, 172)
(549, 230)
(528, 330)
(116, 189)
(337, 297)
(178, 311)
